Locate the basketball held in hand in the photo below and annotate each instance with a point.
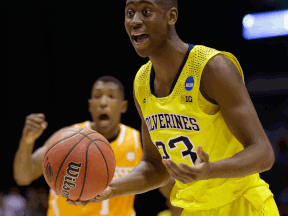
(78, 163)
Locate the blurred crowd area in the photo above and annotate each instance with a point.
(31, 202)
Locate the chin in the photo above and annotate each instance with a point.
(142, 53)
(103, 128)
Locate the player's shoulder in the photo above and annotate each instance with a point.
(142, 73)
(129, 129)
(202, 50)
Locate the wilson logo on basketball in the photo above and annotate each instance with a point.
(48, 172)
(72, 172)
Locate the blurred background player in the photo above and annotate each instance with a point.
(106, 105)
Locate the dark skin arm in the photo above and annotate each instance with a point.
(221, 83)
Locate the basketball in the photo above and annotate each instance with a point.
(78, 163)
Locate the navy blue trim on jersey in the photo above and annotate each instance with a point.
(152, 74)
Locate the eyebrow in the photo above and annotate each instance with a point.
(141, 2)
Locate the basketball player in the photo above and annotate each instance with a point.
(197, 113)
(106, 105)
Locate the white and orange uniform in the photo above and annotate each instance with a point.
(128, 153)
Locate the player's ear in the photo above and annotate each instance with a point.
(172, 16)
(124, 106)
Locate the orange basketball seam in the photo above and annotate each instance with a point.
(106, 166)
(64, 161)
(86, 162)
(70, 129)
(92, 140)
(59, 142)
(103, 142)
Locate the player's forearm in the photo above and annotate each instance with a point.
(144, 177)
(253, 159)
(23, 165)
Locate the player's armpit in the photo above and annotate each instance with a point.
(221, 82)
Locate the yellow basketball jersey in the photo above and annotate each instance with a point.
(177, 126)
(128, 153)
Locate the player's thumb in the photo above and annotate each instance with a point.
(44, 125)
(106, 194)
(204, 157)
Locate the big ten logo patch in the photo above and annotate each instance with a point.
(186, 99)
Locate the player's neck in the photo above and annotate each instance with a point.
(109, 135)
(167, 63)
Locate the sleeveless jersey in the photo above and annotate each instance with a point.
(128, 153)
(177, 126)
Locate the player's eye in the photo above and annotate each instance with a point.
(112, 96)
(146, 11)
(130, 13)
(97, 96)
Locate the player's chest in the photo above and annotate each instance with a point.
(125, 155)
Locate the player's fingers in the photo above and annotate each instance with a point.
(33, 124)
(169, 166)
(71, 202)
(174, 170)
(188, 173)
(202, 155)
(99, 199)
(186, 168)
(82, 203)
(106, 194)
(44, 125)
(36, 120)
(38, 115)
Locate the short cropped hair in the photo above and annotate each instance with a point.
(113, 80)
(168, 4)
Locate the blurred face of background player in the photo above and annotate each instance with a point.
(148, 24)
(106, 106)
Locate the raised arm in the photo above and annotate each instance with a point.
(28, 164)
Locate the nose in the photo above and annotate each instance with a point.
(103, 101)
(136, 22)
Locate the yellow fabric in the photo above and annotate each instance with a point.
(128, 153)
(166, 212)
(175, 126)
(239, 207)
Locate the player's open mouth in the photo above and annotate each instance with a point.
(140, 38)
(103, 117)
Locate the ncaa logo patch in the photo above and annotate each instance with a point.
(189, 83)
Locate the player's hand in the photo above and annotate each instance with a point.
(106, 194)
(34, 126)
(187, 174)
